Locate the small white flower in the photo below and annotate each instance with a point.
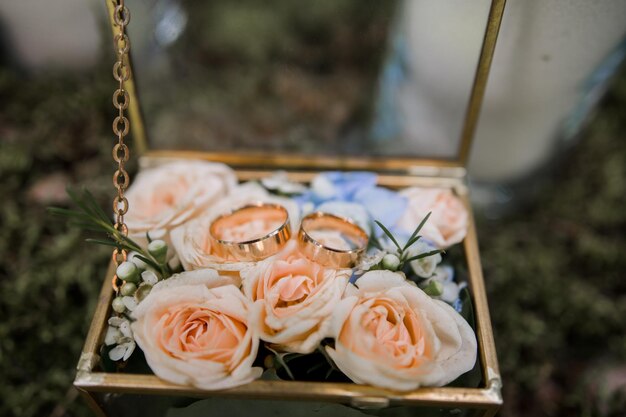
(112, 336)
(129, 302)
(158, 248)
(445, 276)
(132, 257)
(391, 262)
(120, 334)
(280, 182)
(128, 271)
(424, 267)
(149, 277)
(116, 321)
(125, 329)
(142, 292)
(122, 351)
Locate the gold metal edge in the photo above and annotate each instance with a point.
(278, 160)
(290, 390)
(89, 356)
(134, 108)
(474, 105)
(429, 174)
(484, 330)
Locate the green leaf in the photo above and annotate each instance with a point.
(317, 366)
(96, 207)
(282, 362)
(322, 349)
(86, 225)
(150, 262)
(57, 211)
(102, 242)
(79, 202)
(422, 255)
(131, 244)
(388, 233)
(416, 231)
(411, 241)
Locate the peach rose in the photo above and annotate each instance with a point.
(447, 224)
(389, 333)
(192, 241)
(167, 195)
(294, 299)
(194, 330)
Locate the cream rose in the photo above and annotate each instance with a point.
(294, 299)
(389, 333)
(447, 224)
(167, 195)
(194, 330)
(192, 240)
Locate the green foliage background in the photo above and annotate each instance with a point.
(555, 270)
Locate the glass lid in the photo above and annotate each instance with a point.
(326, 78)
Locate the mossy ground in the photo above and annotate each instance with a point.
(555, 272)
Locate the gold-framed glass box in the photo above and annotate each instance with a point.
(159, 82)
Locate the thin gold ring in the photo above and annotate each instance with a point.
(324, 254)
(257, 248)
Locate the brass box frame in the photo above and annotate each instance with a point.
(451, 174)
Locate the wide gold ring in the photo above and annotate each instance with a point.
(324, 254)
(253, 248)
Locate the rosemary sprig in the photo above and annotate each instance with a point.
(90, 216)
(402, 252)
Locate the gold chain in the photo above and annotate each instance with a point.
(121, 126)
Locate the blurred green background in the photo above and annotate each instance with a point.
(555, 267)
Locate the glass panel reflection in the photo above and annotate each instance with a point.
(332, 77)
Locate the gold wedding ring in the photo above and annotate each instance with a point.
(252, 248)
(350, 234)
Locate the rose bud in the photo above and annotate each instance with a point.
(158, 249)
(132, 257)
(118, 305)
(128, 288)
(391, 262)
(128, 271)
